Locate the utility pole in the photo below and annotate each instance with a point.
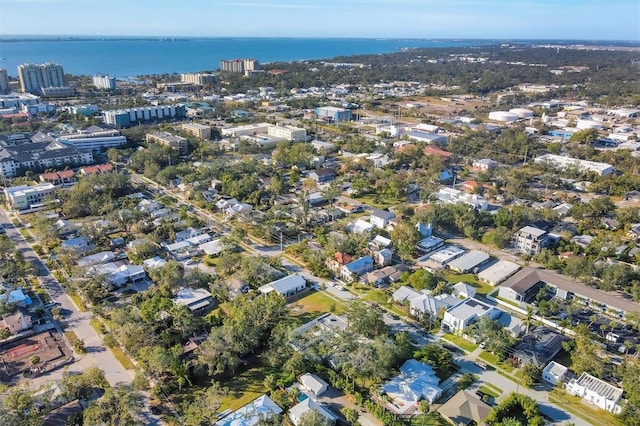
(280, 240)
(526, 151)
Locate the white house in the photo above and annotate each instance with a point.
(597, 392)
(287, 286)
(380, 218)
(297, 411)
(458, 317)
(313, 384)
(260, 409)
(416, 381)
(554, 373)
(196, 299)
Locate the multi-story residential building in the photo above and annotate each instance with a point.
(104, 82)
(27, 197)
(597, 392)
(128, 117)
(176, 142)
(530, 240)
(4, 82)
(15, 159)
(94, 138)
(86, 109)
(198, 130)
(465, 313)
(34, 77)
(239, 66)
(198, 78)
(18, 100)
(334, 114)
(289, 133)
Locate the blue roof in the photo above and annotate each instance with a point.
(359, 263)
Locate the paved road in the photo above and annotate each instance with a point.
(76, 321)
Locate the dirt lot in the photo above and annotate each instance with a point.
(16, 357)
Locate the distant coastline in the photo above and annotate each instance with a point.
(130, 56)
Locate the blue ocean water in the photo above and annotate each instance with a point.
(139, 56)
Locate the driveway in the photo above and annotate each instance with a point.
(336, 400)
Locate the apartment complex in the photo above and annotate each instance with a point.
(334, 114)
(48, 153)
(34, 77)
(176, 142)
(131, 116)
(104, 82)
(289, 133)
(198, 78)
(4, 82)
(239, 66)
(198, 130)
(530, 240)
(28, 197)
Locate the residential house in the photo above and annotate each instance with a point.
(96, 259)
(382, 257)
(485, 164)
(198, 300)
(597, 392)
(520, 288)
(186, 234)
(381, 277)
(634, 231)
(428, 306)
(380, 218)
(416, 381)
(16, 322)
(554, 373)
(464, 290)
(351, 271)
(78, 244)
(213, 248)
(465, 409)
(360, 227)
(531, 240)
(297, 412)
(323, 175)
(63, 226)
(286, 287)
(119, 273)
(64, 177)
(498, 272)
(256, 412)
(154, 262)
(469, 262)
(539, 346)
(96, 170)
(429, 244)
(458, 317)
(16, 297)
(313, 384)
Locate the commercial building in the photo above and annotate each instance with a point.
(498, 272)
(176, 142)
(104, 82)
(15, 159)
(289, 133)
(34, 77)
(334, 114)
(198, 78)
(94, 138)
(469, 262)
(247, 130)
(18, 100)
(131, 116)
(28, 197)
(57, 92)
(565, 163)
(5, 89)
(198, 130)
(597, 392)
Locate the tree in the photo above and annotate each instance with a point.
(422, 279)
(531, 374)
(351, 415)
(81, 386)
(465, 381)
(120, 405)
(405, 237)
(435, 355)
(518, 407)
(313, 418)
(366, 319)
(203, 409)
(79, 347)
(18, 409)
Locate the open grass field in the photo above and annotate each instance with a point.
(481, 288)
(312, 306)
(465, 344)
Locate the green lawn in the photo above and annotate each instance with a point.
(377, 296)
(493, 391)
(431, 419)
(574, 405)
(312, 306)
(71, 337)
(465, 344)
(246, 386)
(76, 299)
(481, 288)
(493, 360)
(122, 358)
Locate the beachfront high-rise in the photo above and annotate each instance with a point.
(104, 82)
(35, 77)
(240, 66)
(4, 82)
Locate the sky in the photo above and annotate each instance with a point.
(483, 19)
